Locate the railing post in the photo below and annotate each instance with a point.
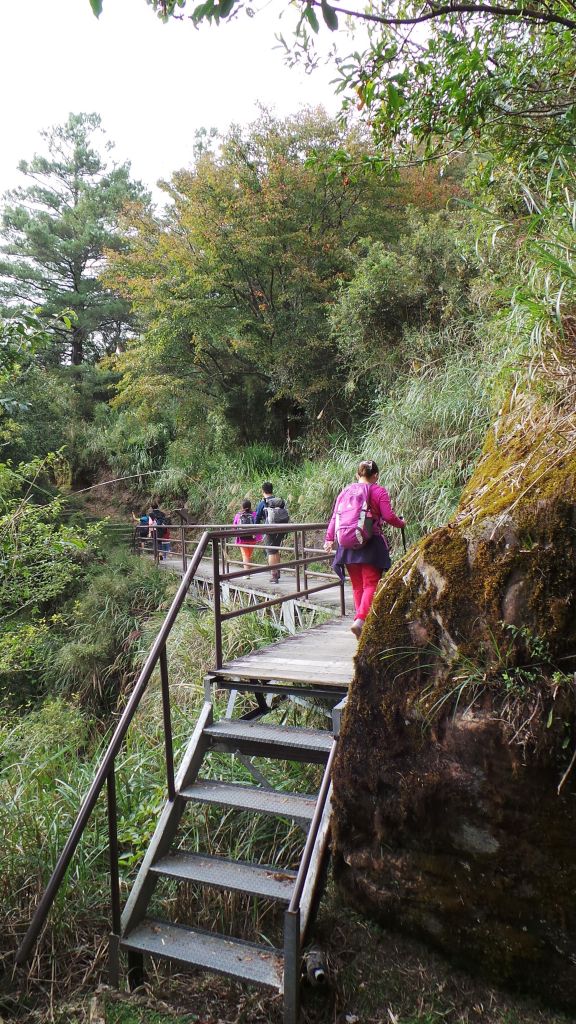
(223, 556)
(291, 966)
(304, 566)
(114, 938)
(217, 606)
(297, 556)
(167, 723)
(183, 543)
(155, 545)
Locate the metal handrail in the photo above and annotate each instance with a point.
(105, 773)
(107, 761)
(312, 834)
(294, 927)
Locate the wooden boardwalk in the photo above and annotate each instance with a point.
(260, 584)
(318, 657)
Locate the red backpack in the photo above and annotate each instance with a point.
(354, 524)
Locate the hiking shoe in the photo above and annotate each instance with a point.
(356, 627)
(274, 577)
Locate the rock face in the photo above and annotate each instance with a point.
(459, 729)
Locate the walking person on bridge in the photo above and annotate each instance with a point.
(273, 511)
(246, 517)
(356, 526)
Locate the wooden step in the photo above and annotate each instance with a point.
(256, 879)
(279, 741)
(298, 806)
(194, 947)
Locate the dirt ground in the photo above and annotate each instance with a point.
(374, 977)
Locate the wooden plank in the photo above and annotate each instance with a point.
(322, 655)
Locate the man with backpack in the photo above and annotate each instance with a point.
(273, 512)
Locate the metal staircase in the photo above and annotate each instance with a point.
(276, 968)
(137, 931)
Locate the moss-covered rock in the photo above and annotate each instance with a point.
(459, 726)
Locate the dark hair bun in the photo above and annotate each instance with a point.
(367, 468)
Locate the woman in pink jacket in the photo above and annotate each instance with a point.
(367, 561)
(245, 517)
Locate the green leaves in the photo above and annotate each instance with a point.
(51, 259)
(96, 6)
(330, 16)
(310, 15)
(234, 289)
(212, 11)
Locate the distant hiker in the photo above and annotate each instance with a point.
(246, 517)
(356, 525)
(162, 524)
(141, 530)
(160, 521)
(273, 512)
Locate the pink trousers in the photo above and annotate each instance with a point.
(364, 580)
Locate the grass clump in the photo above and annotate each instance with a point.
(101, 648)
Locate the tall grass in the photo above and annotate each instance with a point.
(48, 760)
(426, 433)
(96, 657)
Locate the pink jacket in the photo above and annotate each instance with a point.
(380, 511)
(243, 540)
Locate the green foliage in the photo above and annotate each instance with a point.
(545, 296)
(423, 281)
(470, 78)
(234, 285)
(60, 409)
(96, 655)
(500, 72)
(56, 230)
(40, 555)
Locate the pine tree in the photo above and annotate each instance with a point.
(56, 231)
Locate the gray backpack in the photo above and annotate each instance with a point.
(276, 512)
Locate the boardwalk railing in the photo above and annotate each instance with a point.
(303, 558)
(105, 775)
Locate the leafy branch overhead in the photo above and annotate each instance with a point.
(440, 75)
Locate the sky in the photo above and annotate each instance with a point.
(153, 84)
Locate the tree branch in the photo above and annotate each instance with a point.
(527, 14)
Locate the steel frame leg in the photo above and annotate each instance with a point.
(136, 973)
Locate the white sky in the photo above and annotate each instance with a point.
(153, 84)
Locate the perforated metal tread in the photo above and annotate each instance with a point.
(280, 741)
(299, 806)
(193, 947)
(256, 879)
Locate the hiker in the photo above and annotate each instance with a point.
(246, 542)
(356, 525)
(141, 530)
(160, 520)
(271, 510)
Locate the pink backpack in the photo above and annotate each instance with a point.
(354, 525)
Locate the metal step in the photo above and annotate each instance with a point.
(193, 947)
(298, 806)
(255, 879)
(279, 741)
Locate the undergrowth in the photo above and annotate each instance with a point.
(49, 757)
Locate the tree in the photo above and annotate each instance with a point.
(235, 283)
(56, 230)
